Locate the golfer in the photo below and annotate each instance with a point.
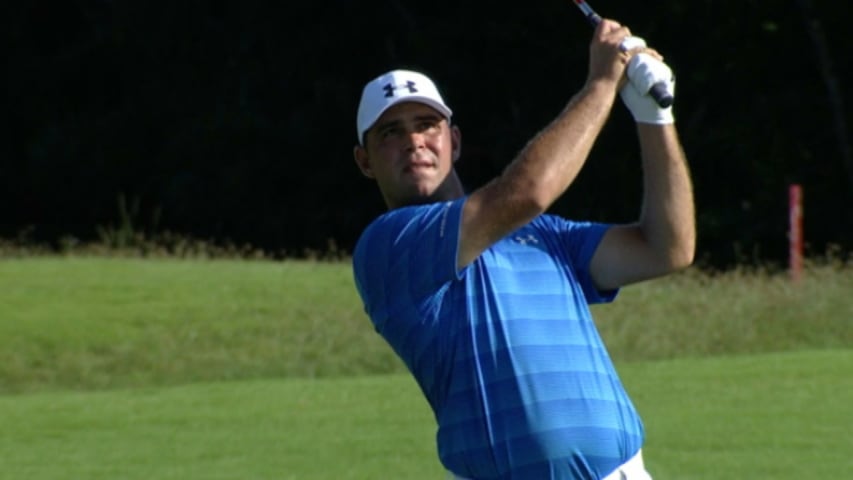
(484, 295)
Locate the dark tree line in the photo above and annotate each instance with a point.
(236, 120)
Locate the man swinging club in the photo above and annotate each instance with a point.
(484, 295)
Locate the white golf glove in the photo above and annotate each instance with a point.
(630, 43)
(644, 71)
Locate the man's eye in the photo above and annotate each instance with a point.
(427, 125)
(389, 132)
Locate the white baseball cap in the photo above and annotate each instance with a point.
(394, 87)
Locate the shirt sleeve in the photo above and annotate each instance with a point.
(580, 240)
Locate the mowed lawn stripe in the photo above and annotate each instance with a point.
(769, 416)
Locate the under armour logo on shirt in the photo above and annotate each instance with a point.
(389, 89)
(525, 240)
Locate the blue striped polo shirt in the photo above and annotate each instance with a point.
(505, 350)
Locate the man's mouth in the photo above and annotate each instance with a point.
(418, 165)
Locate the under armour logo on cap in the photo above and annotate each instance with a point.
(389, 89)
(394, 87)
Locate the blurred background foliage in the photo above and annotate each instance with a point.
(234, 121)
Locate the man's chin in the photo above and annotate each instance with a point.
(420, 194)
(421, 178)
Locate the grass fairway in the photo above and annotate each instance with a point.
(358, 428)
(772, 416)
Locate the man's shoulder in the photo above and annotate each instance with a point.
(391, 223)
(400, 217)
(389, 219)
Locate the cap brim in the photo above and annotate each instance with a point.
(444, 110)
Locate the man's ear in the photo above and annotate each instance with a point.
(362, 160)
(456, 142)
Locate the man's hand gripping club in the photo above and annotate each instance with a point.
(646, 70)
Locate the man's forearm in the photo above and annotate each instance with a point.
(550, 161)
(667, 218)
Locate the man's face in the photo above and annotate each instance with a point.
(409, 151)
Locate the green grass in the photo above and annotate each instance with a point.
(261, 429)
(101, 322)
(738, 312)
(772, 416)
(163, 368)
(110, 322)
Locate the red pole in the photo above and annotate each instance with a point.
(795, 233)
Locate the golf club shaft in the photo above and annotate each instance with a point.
(659, 90)
(593, 17)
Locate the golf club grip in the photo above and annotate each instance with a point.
(661, 95)
(594, 19)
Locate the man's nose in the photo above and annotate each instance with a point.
(415, 139)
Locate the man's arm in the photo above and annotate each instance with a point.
(664, 238)
(550, 161)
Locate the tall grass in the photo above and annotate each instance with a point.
(72, 322)
(109, 322)
(739, 311)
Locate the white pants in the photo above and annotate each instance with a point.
(633, 469)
